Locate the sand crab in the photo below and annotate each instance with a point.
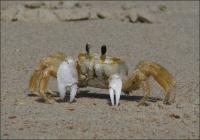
(100, 71)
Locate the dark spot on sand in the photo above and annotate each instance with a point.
(174, 116)
(20, 129)
(5, 134)
(71, 109)
(12, 117)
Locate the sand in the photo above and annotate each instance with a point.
(173, 42)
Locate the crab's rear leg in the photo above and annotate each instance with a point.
(161, 75)
(50, 71)
(167, 91)
(35, 78)
(143, 81)
(136, 81)
(33, 82)
(52, 60)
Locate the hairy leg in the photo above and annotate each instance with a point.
(36, 76)
(34, 81)
(44, 82)
(167, 95)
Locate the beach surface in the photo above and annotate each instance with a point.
(171, 39)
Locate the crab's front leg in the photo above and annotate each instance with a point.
(115, 87)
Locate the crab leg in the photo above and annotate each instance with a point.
(50, 71)
(139, 78)
(145, 86)
(35, 78)
(33, 81)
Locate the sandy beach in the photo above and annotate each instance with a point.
(168, 35)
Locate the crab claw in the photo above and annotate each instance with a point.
(67, 77)
(62, 90)
(73, 92)
(115, 86)
(111, 92)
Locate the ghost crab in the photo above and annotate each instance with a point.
(99, 71)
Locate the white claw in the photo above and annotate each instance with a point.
(117, 95)
(111, 92)
(73, 92)
(115, 85)
(67, 77)
(62, 90)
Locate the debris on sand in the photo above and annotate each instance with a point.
(9, 14)
(34, 4)
(26, 14)
(74, 11)
(178, 105)
(104, 15)
(71, 109)
(61, 4)
(132, 15)
(42, 15)
(12, 117)
(5, 134)
(127, 6)
(162, 8)
(71, 4)
(144, 17)
(46, 15)
(21, 129)
(72, 14)
(114, 15)
(53, 4)
(174, 116)
(135, 15)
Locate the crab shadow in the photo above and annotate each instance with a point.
(103, 96)
(49, 95)
(88, 94)
(92, 95)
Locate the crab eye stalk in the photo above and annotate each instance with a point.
(87, 48)
(103, 51)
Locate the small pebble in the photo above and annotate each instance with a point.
(12, 117)
(174, 116)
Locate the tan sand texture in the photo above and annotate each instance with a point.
(164, 32)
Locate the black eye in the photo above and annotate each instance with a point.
(103, 49)
(87, 48)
